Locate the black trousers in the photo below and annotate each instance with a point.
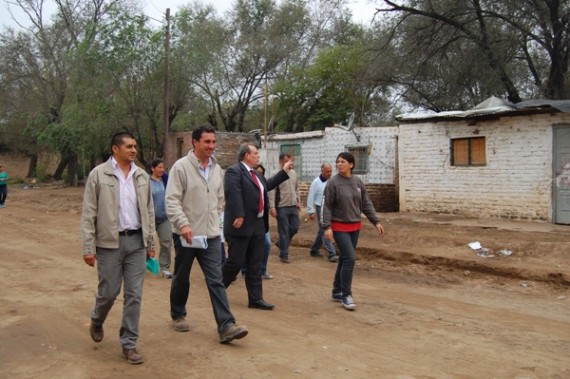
(246, 251)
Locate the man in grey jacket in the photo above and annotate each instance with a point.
(117, 226)
(194, 197)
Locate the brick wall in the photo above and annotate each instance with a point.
(383, 196)
(381, 177)
(227, 146)
(516, 181)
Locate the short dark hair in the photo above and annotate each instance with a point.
(283, 156)
(155, 162)
(197, 133)
(118, 139)
(261, 167)
(347, 157)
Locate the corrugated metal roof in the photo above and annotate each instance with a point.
(292, 136)
(492, 107)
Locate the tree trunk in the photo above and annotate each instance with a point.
(33, 166)
(72, 171)
(60, 169)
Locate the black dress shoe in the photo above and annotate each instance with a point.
(261, 304)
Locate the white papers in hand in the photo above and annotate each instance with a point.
(198, 242)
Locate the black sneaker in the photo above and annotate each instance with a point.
(348, 303)
(316, 254)
(336, 296)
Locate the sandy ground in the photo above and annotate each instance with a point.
(428, 306)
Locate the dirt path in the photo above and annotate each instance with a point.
(429, 319)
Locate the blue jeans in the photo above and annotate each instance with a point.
(267, 248)
(287, 225)
(346, 242)
(320, 239)
(209, 261)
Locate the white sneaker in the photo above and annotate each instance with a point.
(348, 303)
(166, 274)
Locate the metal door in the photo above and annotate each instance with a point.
(562, 175)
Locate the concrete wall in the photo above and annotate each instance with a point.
(515, 183)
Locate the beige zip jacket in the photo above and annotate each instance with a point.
(100, 217)
(193, 201)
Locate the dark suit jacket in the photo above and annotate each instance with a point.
(242, 199)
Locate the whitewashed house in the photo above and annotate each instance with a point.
(374, 149)
(496, 160)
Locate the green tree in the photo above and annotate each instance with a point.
(130, 55)
(485, 47)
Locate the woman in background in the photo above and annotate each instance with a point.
(158, 182)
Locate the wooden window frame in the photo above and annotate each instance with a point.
(362, 158)
(474, 152)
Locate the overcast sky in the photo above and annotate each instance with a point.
(362, 10)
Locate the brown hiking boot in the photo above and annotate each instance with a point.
(233, 332)
(133, 357)
(180, 325)
(96, 332)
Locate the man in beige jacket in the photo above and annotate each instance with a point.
(117, 226)
(194, 196)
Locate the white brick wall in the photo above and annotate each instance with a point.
(515, 183)
(315, 151)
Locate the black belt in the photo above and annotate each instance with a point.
(130, 232)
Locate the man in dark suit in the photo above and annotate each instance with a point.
(246, 221)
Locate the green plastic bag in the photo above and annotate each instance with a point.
(152, 265)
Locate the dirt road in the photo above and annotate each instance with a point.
(428, 306)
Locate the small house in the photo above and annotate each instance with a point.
(496, 160)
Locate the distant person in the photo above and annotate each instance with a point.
(3, 186)
(314, 203)
(284, 203)
(223, 248)
(267, 248)
(246, 221)
(346, 198)
(194, 195)
(117, 226)
(265, 274)
(163, 228)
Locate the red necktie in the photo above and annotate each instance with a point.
(256, 181)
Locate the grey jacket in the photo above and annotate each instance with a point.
(345, 199)
(100, 216)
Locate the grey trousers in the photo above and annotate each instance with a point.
(164, 231)
(127, 265)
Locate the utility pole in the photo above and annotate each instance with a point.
(265, 114)
(166, 116)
